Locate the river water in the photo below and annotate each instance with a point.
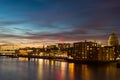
(43, 69)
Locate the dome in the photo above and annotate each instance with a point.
(113, 39)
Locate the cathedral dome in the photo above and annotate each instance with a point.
(113, 39)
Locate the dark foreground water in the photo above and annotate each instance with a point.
(41, 69)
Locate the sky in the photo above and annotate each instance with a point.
(38, 22)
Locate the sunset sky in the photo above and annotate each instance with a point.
(38, 22)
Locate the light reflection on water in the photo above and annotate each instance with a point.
(42, 69)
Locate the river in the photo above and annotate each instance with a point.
(43, 69)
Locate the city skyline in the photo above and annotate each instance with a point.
(38, 22)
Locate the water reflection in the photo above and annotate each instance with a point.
(71, 70)
(85, 72)
(43, 69)
(40, 69)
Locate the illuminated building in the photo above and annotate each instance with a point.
(63, 49)
(63, 46)
(70, 52)
(85, 51)
(106, 53)
(114, 43)
(113, 40)
(52, 50)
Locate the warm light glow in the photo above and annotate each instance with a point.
(9, 47)
(25, 52)
(63, 68)
(23, 59)
(40, 69)
(99, 42)
(86, 72)
(71, 70)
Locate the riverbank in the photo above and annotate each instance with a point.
(64, 59)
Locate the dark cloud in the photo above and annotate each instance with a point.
(9, 23)
(71, 20)
(96, 15)
(26, 31)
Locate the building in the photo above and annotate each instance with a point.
(63, 46)
(106, 53)
(113, 39)
(51, 50)
(85, 51)
(93, 51)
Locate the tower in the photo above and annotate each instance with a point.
(113, 39)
